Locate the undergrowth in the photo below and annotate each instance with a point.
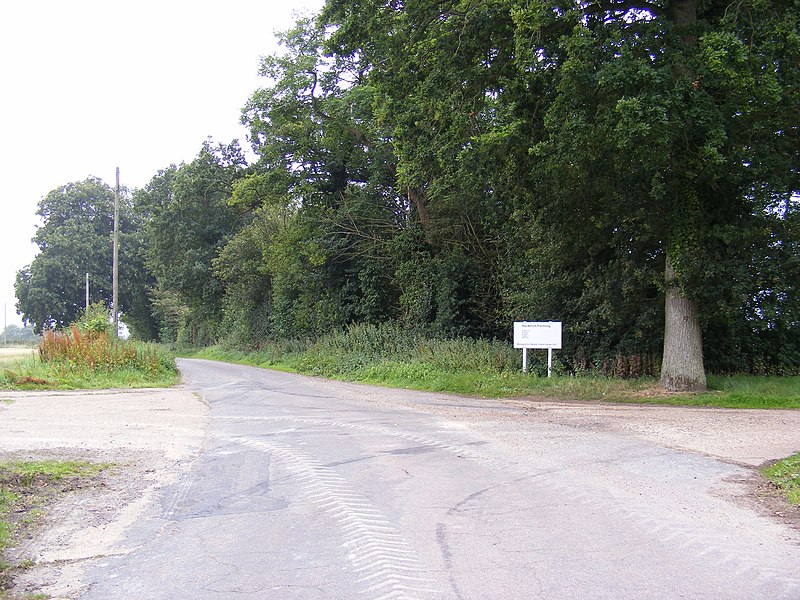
(73, 351)
(389, 355)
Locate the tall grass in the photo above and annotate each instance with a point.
(91, 359)
(365, 345)
(96, 351)
(388, 354)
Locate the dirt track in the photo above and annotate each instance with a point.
(153, 435)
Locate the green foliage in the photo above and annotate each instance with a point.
(187, 221)
(95, 321)
(81, 357)
(14, 334)
(243, 271)
(316, 254)
(76, 239)
(581, 147)
(77, 352)
(360, 345)
(391, 355)
(442, 169)
(785, 474)
(757, 391)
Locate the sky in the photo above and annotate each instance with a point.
(91, 85)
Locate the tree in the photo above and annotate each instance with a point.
(186, 221)
(14, 334)
(691, 99)
(656, 135)
(75, 238)
(325, 207)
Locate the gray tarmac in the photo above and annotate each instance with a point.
(246, 483)
(306, 488)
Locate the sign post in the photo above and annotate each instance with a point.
(537, 335)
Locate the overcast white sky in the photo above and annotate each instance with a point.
(91, 85)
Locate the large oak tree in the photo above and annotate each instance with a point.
(671, 128)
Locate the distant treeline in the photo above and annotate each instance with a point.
(14, 334)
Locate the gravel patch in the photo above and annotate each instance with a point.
(150, 436)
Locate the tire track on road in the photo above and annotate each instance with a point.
(385, 565)
(703, 542)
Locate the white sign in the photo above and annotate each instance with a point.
(537, 334)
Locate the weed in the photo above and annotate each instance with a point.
(79, 358)
(785, 474)
(77, 351)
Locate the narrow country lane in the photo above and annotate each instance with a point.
(312, 489)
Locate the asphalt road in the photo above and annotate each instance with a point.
(309, 489)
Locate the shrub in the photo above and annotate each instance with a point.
(96, 320)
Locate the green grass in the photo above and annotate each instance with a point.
(26, 472)
(758, 391)
(490, 370)
(24, 489)
(30, 371)
(785, 474)
(54, 378)
(14, 360)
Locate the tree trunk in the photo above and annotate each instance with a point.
(419, 201)
(682, 367)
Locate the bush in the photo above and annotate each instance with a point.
(96, 319)
(344, 351)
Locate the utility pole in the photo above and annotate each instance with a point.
(87, 293)
(115, 283)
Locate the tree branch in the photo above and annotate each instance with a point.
(611, 6)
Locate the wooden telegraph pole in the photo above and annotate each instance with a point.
(115, 282)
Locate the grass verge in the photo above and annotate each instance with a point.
(489, 370)
(80, 364)
(25, 489)
(785, 474)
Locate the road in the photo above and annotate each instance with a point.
(311, 489)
